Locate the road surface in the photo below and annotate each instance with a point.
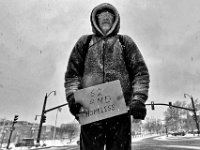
(156, 143)
(168, 143)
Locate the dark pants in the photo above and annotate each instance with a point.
(113, 133)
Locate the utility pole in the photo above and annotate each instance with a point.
(12, 128)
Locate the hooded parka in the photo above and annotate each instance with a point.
(106, 59)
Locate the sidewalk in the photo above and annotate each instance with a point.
(139, 138)
(48, 143)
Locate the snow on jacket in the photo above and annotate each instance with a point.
(106, 61)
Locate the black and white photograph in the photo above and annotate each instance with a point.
(99, 74)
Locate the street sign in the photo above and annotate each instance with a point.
(101, 101)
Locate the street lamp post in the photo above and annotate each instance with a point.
(42, 114)
(194, 111)
(166, 131)
(54, 133)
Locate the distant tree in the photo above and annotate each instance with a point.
(177, 119)
(72, 130)
(152, 125)
(136, 128)
(158, 126)
(148, 125)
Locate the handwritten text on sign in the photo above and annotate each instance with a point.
(102, 101)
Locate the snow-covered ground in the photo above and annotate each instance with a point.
(66, 142)
(47, 143)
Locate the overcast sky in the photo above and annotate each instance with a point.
(36, 38)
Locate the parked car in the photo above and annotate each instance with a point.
(25, 142)
(182, 133)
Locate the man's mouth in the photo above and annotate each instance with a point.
(106, 22)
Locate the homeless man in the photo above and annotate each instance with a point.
(105, 57)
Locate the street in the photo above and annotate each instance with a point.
(156, 143)
(168, 143)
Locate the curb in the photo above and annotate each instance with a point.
(41, 148)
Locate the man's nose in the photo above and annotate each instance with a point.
(106, 19)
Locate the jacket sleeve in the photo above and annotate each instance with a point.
(75, 67)
(137, 69)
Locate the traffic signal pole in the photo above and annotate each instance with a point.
(10, 135)
(195, 115)
(41, 119)
(152, 103)
(12, 128)
(194, 111)
(189, 109)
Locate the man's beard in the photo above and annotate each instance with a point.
(106, 27)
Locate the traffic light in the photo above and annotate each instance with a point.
(15, 119)
(152, 105)
(44, 118)
(170, 104)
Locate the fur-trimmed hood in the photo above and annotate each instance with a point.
(116, 25)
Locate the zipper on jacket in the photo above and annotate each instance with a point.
(104, 49)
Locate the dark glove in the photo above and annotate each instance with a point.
(73, 106)
(138, 109)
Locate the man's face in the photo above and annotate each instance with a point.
(105, 20)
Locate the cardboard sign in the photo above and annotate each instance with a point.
(101, 101)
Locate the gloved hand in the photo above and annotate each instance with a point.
(138, 109)
(73, 106)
